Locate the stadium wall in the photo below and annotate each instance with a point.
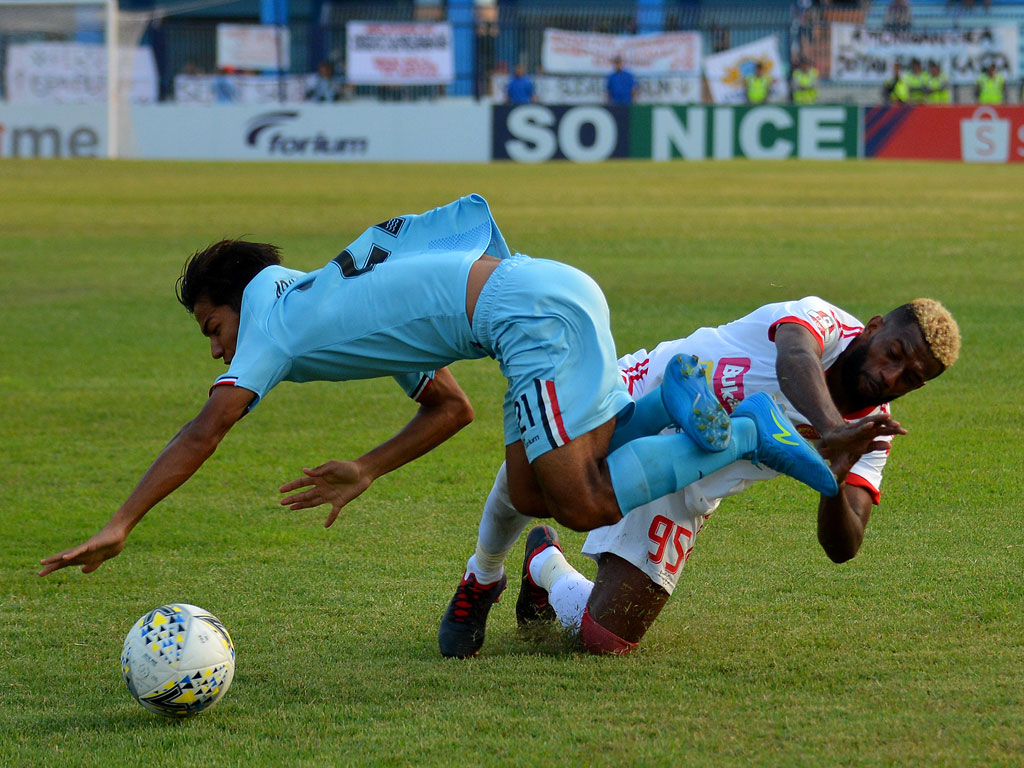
(471, 132)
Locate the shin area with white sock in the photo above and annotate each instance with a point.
(500, 527)
(568, 589)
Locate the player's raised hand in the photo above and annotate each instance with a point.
(335, 483)
(91, 554)
(844, 445)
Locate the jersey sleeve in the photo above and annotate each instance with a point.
(260, 362)
(829, 325)
(258, 366)
(415, 384)
(867, 472)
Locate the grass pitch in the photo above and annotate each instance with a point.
(768, 654)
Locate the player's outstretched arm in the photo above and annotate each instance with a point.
(841, 522)
(183, 455)
(444, 410)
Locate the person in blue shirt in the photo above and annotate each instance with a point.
(620, 85)
(520, 88)
(406, 298)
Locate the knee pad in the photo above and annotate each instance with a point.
(598, 640)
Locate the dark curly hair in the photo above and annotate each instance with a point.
(220, 272)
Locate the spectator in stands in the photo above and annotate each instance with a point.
(991, 86)
(936, 85)
(895, 91)
(326, 86)
(898, 16)
(224, 89)
(520, 87)
(759, 85)
(915, 82)
(620, 86)
(805, 82)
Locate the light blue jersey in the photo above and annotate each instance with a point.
(393, 303)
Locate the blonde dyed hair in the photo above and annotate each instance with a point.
(940, 331)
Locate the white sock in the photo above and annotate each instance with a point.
(500, 527)
(568, 590)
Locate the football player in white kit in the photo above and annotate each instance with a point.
(830, 372)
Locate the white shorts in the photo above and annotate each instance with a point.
(658, 537)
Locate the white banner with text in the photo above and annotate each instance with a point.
(399, 54)
(75, 73)
(862, 55)
(726, 72)
(587, 53)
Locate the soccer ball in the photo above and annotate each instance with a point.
(178, 660)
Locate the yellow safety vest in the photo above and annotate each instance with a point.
(915, 87)
(990, 89)
(938, 89)
(757, 88)
(898, 91)
(805, 86)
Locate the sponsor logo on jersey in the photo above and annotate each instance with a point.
(727, 381)
(282, 286)
(635, 373)
(392, 226)
(823, 321)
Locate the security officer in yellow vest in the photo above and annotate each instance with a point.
(759, 85)
(936, 85)
(915, 82)
(805, 83)
(895, 90)
(991, 86)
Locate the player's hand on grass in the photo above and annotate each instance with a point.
(844, 445)
(335, 483)
(91, 554)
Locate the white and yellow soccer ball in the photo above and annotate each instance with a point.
(178, 660)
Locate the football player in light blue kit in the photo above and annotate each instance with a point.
(405, 299)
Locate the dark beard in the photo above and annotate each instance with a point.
(851, 376)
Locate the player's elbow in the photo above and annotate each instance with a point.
(201, 437)
(462, 413)
(839, 551)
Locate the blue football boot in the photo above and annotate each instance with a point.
(692, 405)
(780, 446)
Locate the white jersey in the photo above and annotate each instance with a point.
(740, 359)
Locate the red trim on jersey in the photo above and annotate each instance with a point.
(884, 408)
(860, 482)
(556, 412)
(222, 383)
(798, 321)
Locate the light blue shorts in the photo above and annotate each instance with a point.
(547, 325)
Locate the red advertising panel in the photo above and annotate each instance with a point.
(972, 133)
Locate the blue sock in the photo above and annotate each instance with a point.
(648, 468)
(649, 417)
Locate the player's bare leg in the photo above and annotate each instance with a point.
(611, 614)
(624, 600)
(570, 483)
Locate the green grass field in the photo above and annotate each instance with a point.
(768, 654)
